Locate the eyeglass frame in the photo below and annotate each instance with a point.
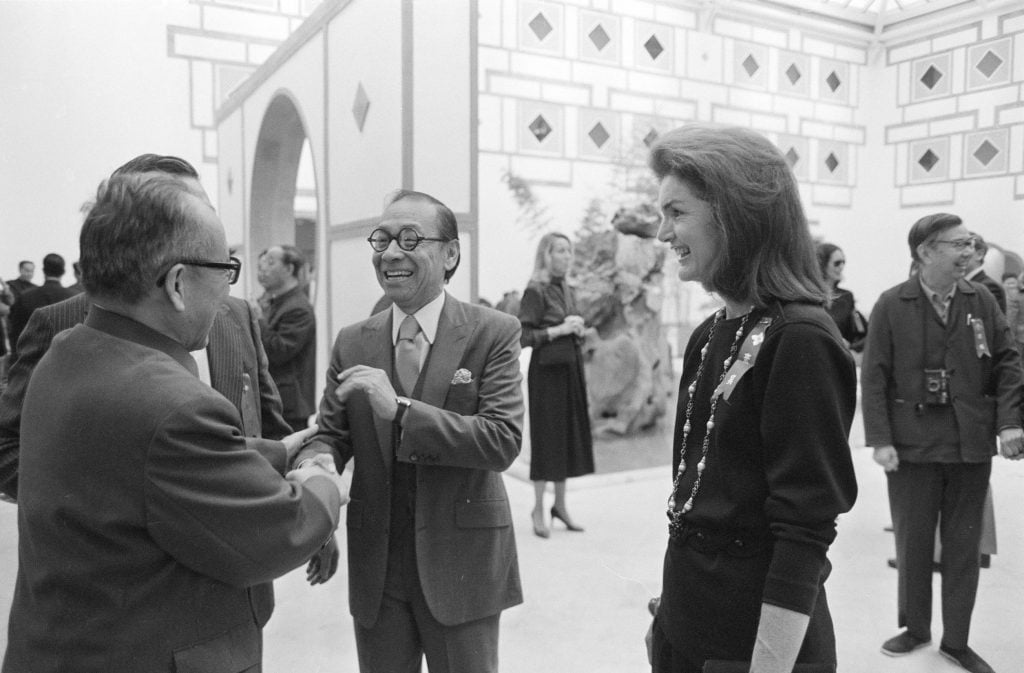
(959, 244)
(419, 239)
(234, 266)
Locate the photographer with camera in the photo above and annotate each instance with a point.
(941, 379)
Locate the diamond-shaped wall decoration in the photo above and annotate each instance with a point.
(796, 150)
(928, 160)
(931, 77)
(599, 37)
(360, 107)
(986, 152)
(833, 81)
(831, 162)
(988, 64)
(540, 26)
(540, 128)
(793, 73)
(597, 133)
(653, 47)
(651, 136)
(750, 65)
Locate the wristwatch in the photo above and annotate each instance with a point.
(403, 405)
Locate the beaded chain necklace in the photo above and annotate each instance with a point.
(676, 516)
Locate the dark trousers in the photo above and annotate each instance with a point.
(952, 495)
(405, 630)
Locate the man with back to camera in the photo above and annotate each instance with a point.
(233, 363)
(166, 513)
(941, 378)
(424, 402)
(288, 329)
(50, 292)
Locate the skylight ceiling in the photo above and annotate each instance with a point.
(877, 21)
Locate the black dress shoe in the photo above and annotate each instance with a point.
(564, 518)
(966, 658)
(905, 643)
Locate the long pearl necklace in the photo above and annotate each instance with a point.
(675, 516)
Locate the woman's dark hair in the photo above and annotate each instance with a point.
(766, 248)
(825, 251)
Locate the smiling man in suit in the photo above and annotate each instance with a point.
(424, 401)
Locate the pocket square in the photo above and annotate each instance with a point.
(462, 376)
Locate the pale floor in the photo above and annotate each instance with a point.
(586, 593)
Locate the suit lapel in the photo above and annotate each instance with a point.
(377, 340)
(453, 330)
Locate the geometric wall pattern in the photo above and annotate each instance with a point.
(225, 43)
(565, 84)
(962, 110)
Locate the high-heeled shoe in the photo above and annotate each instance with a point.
(539, 528)
(564, 518)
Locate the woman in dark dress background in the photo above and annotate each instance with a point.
(851, 323)
(561, 445)
(761, 459)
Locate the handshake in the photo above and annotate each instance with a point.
(324, 563)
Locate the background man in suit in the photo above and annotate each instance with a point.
(50, 292)
(26, 270)
(137, 543)
(941, 378)
(977, 274)
(288, 327)
(429, 423)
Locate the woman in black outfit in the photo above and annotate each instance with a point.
(851, 323)
(561, 445)
(761, 460)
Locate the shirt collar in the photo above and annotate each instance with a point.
(428, 316)
(930, 293)
(974, 273)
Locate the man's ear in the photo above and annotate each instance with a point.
(174, 286)
(452, 253)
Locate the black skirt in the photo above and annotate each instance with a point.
(560, 439)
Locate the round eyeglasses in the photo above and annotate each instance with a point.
(408, 238)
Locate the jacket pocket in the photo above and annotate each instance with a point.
(232, 652)
(482, 514)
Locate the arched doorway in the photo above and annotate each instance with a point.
(284, 204)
